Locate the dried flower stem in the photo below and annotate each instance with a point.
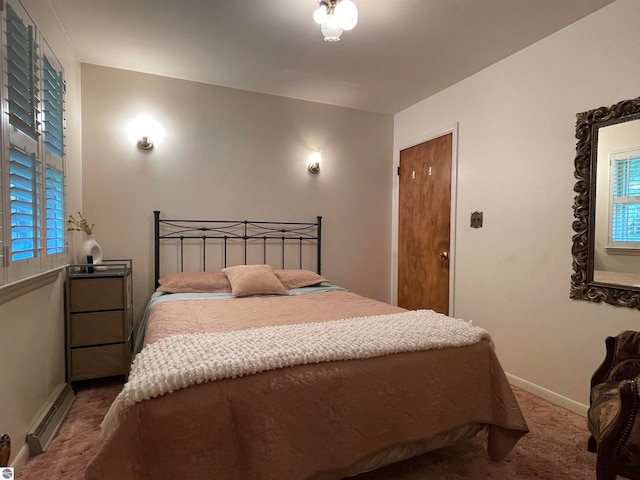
(79, 224)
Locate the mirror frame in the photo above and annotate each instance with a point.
(582, 285)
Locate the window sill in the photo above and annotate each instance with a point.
(14, 290)
(622, 251)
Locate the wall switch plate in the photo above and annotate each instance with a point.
(476, 220)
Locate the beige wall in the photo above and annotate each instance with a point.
(234, 154)
(32, 326)
(516, 149)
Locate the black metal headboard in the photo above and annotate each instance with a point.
(244, 236)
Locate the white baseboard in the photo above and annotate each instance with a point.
(552, 397)
(21, 458)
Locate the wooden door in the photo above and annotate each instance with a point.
(424, 225)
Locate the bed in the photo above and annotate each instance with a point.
(260, 368)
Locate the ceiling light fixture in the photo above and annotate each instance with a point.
(334, 17)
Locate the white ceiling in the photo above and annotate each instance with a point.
(401, 51)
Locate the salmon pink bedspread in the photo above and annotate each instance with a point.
(315, 421)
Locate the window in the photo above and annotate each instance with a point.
(55, 210)
(32, 200)
(25, 186)
(624, 228)
(53, 107)
(21, 73)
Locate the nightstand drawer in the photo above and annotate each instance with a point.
(97, 328)
(106, 293)
(104, 361)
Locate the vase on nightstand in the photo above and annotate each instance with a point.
(89, 247)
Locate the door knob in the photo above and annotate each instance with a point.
(444, 255)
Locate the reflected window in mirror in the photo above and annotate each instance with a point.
(624, 223)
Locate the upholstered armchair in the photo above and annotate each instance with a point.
(613, 417)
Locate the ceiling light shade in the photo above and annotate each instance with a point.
(331, 30)
(346, 14)
(320, 15)
(335, 16)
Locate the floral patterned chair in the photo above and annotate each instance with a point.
(613, 417)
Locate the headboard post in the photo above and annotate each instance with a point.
(156, 246)
(319, 235)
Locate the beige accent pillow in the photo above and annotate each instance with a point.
(249, 280)
(195, 282)
(298, 278)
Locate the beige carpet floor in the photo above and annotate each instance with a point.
(554, 449)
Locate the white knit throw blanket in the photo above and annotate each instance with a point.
(179, 361)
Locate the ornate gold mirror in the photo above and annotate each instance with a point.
(606, 243)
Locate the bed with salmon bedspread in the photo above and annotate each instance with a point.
(260, 372)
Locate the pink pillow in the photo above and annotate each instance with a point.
(249, 280)
(298, 278)
(195, 282)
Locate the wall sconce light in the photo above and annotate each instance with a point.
(145, 144)
(144, 131)
(314, 162)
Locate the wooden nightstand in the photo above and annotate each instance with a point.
(99, 319)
